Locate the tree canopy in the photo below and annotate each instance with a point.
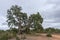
(20, 19)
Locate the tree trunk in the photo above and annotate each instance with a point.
(28, 26)
(19, 28)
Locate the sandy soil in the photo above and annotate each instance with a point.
(42, 37)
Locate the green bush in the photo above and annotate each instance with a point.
(17, 38)
(49, 35)
(14, 30)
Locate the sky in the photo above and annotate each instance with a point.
(49, 10)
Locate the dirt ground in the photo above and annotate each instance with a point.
(42, 37)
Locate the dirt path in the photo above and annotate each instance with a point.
(56, 37)
(42, 37)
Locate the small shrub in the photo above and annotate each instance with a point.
(17, 38)
(14, 30)
(49, 35)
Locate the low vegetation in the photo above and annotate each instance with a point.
(8, 34)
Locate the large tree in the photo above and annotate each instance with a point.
(19, 19)
(16, 17)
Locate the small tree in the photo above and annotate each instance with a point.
(49, 33)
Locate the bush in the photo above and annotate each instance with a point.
(17, 38)
(49, 35)
(14, 30)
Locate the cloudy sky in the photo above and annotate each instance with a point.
(49, 9)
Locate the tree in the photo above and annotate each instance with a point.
(19, 19)
(16, 17)
(36, 22)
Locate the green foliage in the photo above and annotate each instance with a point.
(49, 31)
(49, 35)
(36, 22)
(52, 30)
(16, 18)
(5, 35)
(14, 30)
(13, 15)
(17, 38)
(57, 30)
(1, 31)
